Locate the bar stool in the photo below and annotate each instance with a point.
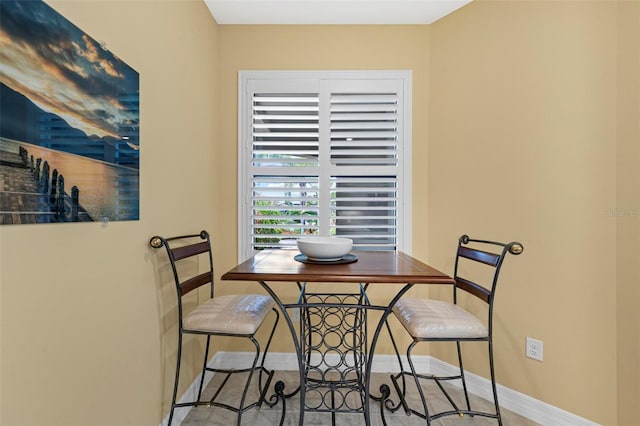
(428, 320)
(238, 315)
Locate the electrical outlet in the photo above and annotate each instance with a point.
(533, 348)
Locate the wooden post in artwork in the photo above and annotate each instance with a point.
(45, 178)
(54, 188)
(75, 202)
(60, 199)
(24, 155)
(36, 172)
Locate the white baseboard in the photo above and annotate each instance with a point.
(524, 405)
(189, 395)
(517, 402)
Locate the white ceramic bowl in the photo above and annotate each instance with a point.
(324, 248)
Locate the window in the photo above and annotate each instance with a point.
(324, 153)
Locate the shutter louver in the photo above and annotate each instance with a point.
(285, 130)
(365, 210)
(364, 129)
(364, 160)
(285, 140)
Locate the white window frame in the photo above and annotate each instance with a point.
(245, 145)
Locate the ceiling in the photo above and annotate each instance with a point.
(331, 11)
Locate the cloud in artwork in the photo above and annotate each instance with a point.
(62, 70)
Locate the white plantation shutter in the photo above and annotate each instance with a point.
(364, 129)
(285, 130)
(364, 168)
(321, 154)
(284, 167)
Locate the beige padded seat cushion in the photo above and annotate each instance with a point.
(235, 314)
(426, 318)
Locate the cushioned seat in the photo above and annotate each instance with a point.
(233, 314)
(436, 319)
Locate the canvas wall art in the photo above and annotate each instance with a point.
(69, 122)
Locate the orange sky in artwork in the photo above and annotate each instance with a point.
(64, 71)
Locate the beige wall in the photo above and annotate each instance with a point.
(628, 202)
(85, 331)
(522, 145)
(521, 99)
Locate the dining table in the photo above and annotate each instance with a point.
(330, 323)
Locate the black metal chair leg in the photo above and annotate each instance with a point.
(389, 405)
(175, 384)
(248, 383)
(204, 367)
(464, 381)
(493, 383)
(417, 380)
(264, 357)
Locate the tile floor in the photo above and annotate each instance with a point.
(267, 416)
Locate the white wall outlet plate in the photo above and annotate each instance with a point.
(533, 348)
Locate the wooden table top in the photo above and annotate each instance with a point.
(371, 267)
